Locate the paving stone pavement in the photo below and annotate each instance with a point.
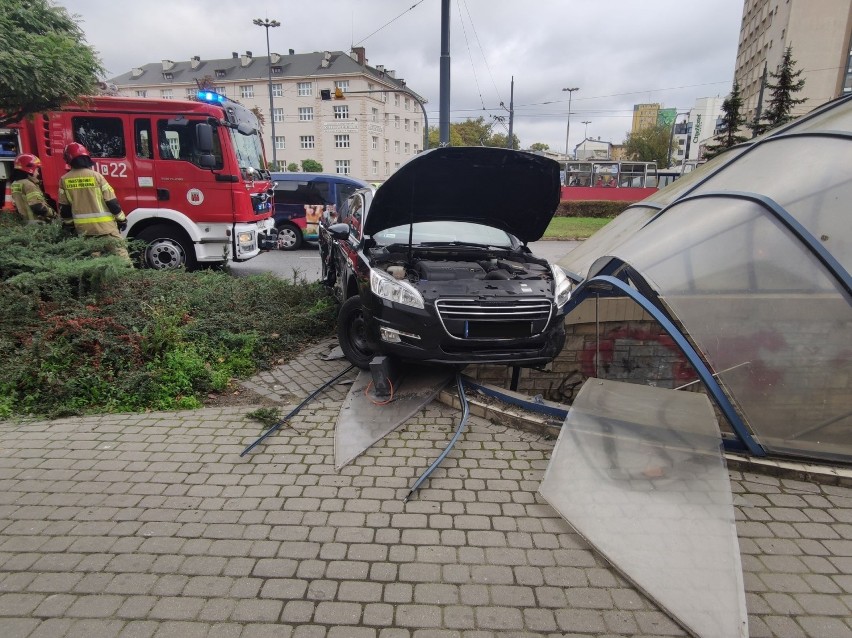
(152, 526)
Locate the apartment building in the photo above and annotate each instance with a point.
(377, 125)
(819, 33)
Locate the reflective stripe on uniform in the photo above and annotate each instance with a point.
(92, 218)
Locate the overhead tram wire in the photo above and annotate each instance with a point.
(481, 50)
(363, 40)
(470, 55)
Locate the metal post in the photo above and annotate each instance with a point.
(266, 24)
(510, 143)
(568, 127)
(444, 119)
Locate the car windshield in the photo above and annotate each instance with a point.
(445, 232)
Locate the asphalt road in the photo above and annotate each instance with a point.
(304, 264)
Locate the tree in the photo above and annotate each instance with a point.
(311, 166)
(45, 60)
(786, 82)
(293, 167)
(539, 146)
(472, 133)
(649, 144)
(732, 122)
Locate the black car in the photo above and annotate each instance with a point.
(433, 266)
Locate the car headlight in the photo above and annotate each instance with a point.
(561, 286)
(386, 287)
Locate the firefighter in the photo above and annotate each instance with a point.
(87, 203)
(26, 191)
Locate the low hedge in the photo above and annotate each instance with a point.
(591, 208)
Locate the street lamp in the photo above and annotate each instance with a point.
(266, 24)
(586, 131)
(568, 126)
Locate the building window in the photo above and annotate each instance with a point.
(385, 98)
(341, 141)
(396, 99)
(142, 93)
(306, 141)
(375, 115)
(416, 148)
(375, 142)
(306, 113)
(374, 170)
(279, 142)
(396, 121)
(220, 73)
(247, 90)
(191, 94)
(396, 166)
(341, 112)
(276, 70)
(407, 104)
(168, 76)
(416, 125)
(341, 167)
(305, 89)
(277, 90)
(407, 148)
(387, 168)
(396, 146)
(277, 115)
(370, 86)
(343, 85)
(220, 90)
(407, 124)
(386, 145)
(167, 94)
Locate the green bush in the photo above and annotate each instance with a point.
(81, 333)
(591, 208)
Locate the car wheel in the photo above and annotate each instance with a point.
(352, 333)
(289, 237)
(167, 249)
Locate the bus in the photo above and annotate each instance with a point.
(609, 180)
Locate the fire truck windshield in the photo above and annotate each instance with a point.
(249, 154)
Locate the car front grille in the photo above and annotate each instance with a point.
(490, 320)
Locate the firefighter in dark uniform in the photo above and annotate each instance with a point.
(87, 203)
(26, 191)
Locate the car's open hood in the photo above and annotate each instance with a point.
(511, 190)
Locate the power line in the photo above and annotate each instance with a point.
(389, 23)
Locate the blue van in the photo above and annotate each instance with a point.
(302, 198)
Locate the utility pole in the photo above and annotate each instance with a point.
(511, 141)
(444, 99)
(568, 127)
(267, 24)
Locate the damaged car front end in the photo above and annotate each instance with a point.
(434, 267)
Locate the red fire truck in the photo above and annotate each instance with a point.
(191, 175)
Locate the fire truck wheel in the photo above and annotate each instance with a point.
(289, 236)
(166, 249)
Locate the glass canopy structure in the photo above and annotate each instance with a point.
(746, 263)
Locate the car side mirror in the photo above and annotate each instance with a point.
(339, 231)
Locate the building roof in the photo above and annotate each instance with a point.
(248, 67)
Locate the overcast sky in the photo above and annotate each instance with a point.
(619, 52)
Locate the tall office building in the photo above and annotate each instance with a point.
(819, 33)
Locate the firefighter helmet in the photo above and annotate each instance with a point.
(27, 163)
(75, 150)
